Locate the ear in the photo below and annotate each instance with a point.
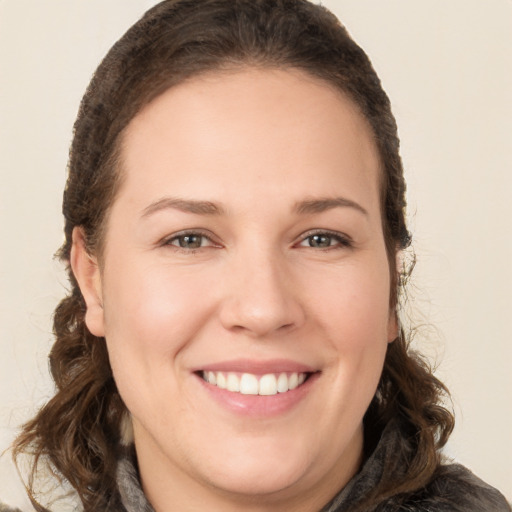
(394, 322)
(393, 326)
(87, 273)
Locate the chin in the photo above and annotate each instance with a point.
(266, 483)
(261, 478)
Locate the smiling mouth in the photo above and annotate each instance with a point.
(251, 384)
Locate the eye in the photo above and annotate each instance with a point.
(189, 241)
(325, 240)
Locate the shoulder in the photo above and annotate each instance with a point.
(454, 488)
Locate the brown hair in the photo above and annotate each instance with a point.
(78, 431)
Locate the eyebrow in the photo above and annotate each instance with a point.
(184, 205)
(327, 203)
(307, 206)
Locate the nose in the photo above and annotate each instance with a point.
(261, 297)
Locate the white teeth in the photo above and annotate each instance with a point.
(282, 383)
(249, 384)
(221, 381)
(233, 382)
(268, 385)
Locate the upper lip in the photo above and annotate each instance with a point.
(257, 367)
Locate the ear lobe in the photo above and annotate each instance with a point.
(87, 273)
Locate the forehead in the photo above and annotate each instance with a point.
(250, 127)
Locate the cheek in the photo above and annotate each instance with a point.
(353, 304)
(150, 307)
(150, 316)
(352, 309)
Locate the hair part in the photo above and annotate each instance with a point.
(78, 431)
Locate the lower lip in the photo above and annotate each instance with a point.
(260, 405)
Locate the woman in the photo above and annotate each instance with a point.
(234, 227)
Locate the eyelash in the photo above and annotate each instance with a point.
(342, 241)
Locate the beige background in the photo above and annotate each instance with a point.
(446, 65)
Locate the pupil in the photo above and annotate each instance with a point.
(320, 241)
(190, 241)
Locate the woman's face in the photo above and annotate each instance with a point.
(244, 288)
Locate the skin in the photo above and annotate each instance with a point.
(256, 143)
